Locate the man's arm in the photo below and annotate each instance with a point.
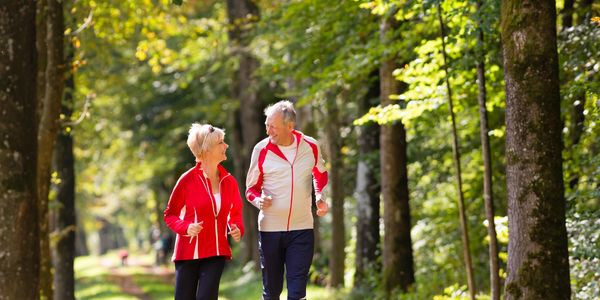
(320, 175)
(320, 179)
(254, 178)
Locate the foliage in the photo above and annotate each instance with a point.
(152, 68)
(584, 254)
(166, 71)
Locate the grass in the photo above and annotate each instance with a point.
(91, 281)
(237, 284)
(94, 280)
(155, 287)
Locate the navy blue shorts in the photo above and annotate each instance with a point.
(291, 251)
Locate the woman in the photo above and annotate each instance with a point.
(204, 207)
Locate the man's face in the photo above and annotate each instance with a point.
(279, 132)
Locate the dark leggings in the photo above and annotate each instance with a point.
(198, 278)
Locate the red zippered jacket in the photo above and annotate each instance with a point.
(192, 201)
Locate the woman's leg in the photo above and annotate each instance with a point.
(186, 282)
(209, 273)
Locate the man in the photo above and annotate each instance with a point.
(282, 169)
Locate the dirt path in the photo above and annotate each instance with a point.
(127, 285)
(120, 276)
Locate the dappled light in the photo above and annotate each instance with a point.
(429, 149)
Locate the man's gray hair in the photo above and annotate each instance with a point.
(285, 107)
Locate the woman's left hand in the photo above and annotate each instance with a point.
(235, 233)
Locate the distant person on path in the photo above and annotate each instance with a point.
(282, 169)
(204, 207)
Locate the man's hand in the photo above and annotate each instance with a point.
(194, 228)
(265, 202)
(322, 208)
(235, 233)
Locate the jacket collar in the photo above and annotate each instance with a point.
(272, 147)
(222, 171)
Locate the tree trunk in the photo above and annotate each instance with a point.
(19, 225)
(306, 123)
(398, 263)
(577, 105)
(567, 14)
(456, 153)
(584, 13)
(241, 14)
(63, 253)
(338, 238)
(47, 131)
(538, 259)
(488, 195)
(367, 192)
(40, 43)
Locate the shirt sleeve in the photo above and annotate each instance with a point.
(235, 215)
(174, 208)
(254, 178)
(320, 175)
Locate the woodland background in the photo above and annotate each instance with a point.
(437, 118)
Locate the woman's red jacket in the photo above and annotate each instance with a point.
(192, 201)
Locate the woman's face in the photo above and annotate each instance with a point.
(217, 152)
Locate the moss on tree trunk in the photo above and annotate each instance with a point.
(538, 266)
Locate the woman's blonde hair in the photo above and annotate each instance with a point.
(203, 136)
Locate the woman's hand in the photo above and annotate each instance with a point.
(235, 233)
(194, 228)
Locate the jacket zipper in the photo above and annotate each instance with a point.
(292, 192)
(214, 206)
(217, 213)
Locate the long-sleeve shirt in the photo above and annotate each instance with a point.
(192, 201)
(288, 182)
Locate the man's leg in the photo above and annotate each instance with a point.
(271, 263)
(299, 254)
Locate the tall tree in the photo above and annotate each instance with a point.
(488, 196)
(242, 14)
(367, 191)
(306, 124)
(538, 259)
(19, 225)
(457, 167)
(578, 98)
(48, 125)
(63, 161)
(334, 149)
(398, 263)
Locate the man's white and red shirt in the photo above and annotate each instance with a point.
(287, 174)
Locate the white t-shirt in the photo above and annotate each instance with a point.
(289, 151)
(218, 201)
